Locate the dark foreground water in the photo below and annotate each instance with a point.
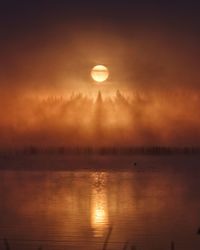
(147, 205)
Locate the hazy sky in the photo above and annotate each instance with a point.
(52, 45)
(47, 48)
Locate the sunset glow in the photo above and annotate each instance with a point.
(91, 81)
(99, 205)
(99, 125)
(118, 119)
(100, 73)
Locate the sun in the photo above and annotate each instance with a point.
(100, 73)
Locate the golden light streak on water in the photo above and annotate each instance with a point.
(99, 204)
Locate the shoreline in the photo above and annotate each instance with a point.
(55, 162)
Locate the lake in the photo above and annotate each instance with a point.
(147, 204)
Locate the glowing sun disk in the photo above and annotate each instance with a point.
(99, 73)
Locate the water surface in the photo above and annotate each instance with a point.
(148, 206)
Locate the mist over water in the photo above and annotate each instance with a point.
(152, 62)
(148, 206)
(100, 119)
(53, 116)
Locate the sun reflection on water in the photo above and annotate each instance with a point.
(99, 203)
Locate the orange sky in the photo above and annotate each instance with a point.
(152, 52)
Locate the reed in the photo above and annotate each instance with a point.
(133, 248)
(125, 247)
(107, 238)
(6, 244)
(172, 245)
